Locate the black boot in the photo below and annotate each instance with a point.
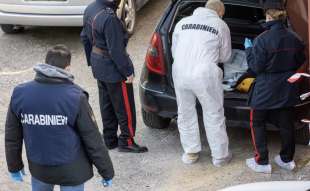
(133, 148)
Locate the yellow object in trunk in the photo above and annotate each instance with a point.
(245, 85)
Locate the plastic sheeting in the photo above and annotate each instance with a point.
(234, 68)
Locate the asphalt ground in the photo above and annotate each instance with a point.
(161, 169)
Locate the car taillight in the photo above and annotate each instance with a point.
(154, 56)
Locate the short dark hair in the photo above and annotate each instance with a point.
(59, 56)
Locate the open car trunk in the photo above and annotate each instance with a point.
(243, 21)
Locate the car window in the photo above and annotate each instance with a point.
(237, 12)
(246, 14)
(187, 8)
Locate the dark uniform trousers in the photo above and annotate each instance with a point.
(284, 120)
(117, 107)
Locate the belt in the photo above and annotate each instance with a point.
(100, 51)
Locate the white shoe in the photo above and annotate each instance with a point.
(190, 158)
(285, 165)
(223, 161)
(252, 164)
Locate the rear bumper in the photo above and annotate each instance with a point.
(237, 113)
(41, 20)
(158, 101)
(164, 104)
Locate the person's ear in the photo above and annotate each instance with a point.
(68, 67)
(268, 18)
(222, 13)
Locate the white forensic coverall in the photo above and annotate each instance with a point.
(200, 42)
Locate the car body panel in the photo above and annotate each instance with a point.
(43, 13)
(41, 20)
(68, 7)
(47, 2)
(42, 9)
(46, 13)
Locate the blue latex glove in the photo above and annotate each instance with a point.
(18, 176)
(248, 43)
(107, 183)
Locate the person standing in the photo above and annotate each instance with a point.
(200, 43)
(274, 57)
(105, 40)
(53, 117)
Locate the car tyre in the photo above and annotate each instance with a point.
(303, 135)
(154, 121)
(12, 29)
(129, 15)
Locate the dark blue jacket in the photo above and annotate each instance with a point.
(51, 127)
(52, 115)
(107, 33)
(275, 56)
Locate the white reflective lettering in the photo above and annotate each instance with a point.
(26, 119)
(49, 120)
(22, 118)
(65, 120)
(44, 120)
(36, 120)
(58, 119)
(31, 119)
(54, 122)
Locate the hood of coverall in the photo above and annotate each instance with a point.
(53, 72)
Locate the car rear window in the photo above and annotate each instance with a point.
(243, 13)
(249, 14)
